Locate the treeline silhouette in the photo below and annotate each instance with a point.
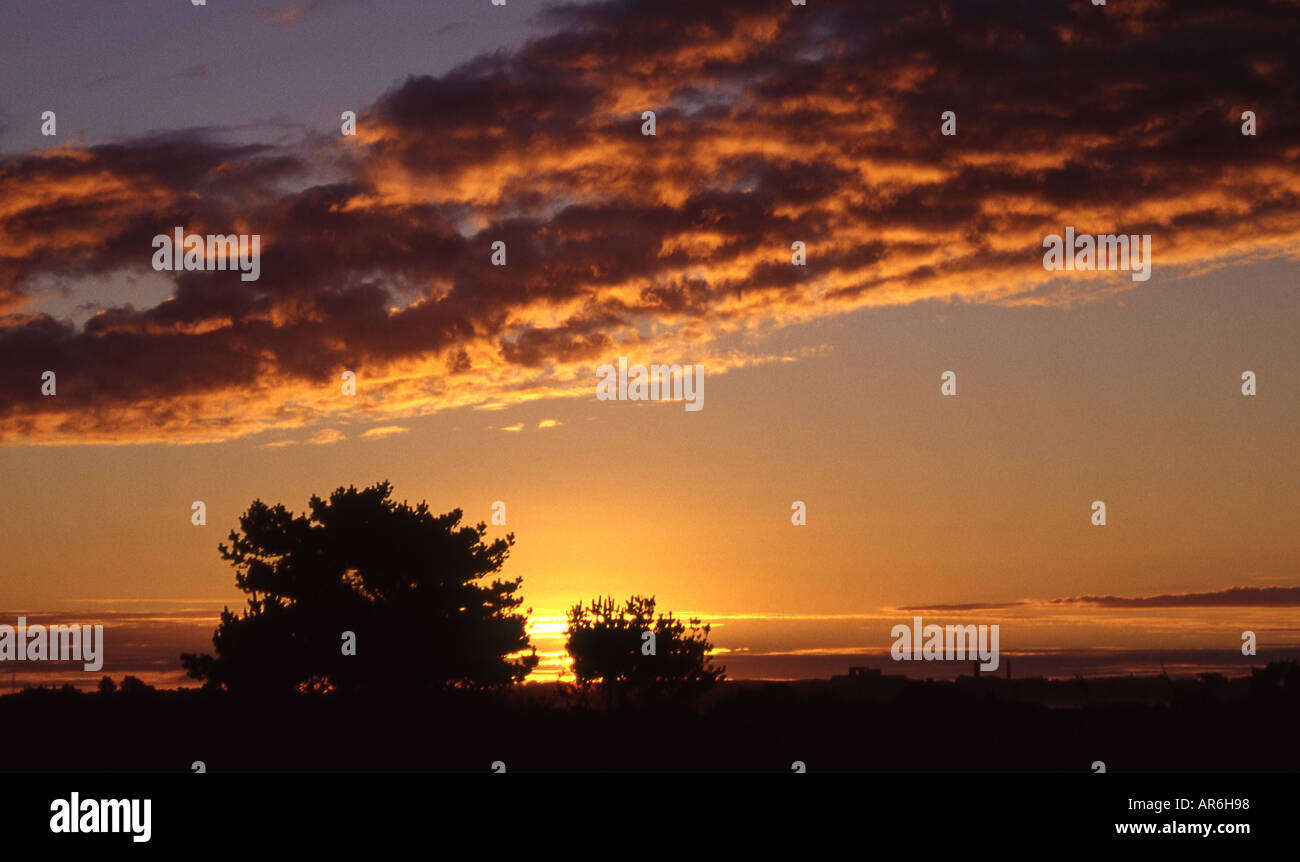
(1205, 725)
(379, 636)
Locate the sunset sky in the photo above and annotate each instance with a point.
(476, 383)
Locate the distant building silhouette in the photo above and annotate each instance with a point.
(868, 683)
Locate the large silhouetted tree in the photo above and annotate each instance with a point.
(608, 645)
(408, 585)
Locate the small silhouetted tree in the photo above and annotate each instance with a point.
(133, 686)
(407, 584)
(607, 644)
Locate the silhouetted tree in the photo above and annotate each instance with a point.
(132, 686)
(404, 582)
(107, 686)
(608, 645)
(1277, 684)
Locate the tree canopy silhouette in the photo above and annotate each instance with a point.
(608, 645)
(406, 583)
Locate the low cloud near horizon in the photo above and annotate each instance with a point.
(1232, 597)
(1229, 597)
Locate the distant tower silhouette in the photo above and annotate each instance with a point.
(1008, 670)
(976, 665)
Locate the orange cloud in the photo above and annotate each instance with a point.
(774, 125)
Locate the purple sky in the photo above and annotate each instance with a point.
(117, 69)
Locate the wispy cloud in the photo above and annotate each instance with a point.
(967, 606)
(289, 14)
(384, 431)
(194, 72)
(326, 436)
(1232, 597)
(1242, 596)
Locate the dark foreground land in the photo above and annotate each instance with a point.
(1132, 725)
